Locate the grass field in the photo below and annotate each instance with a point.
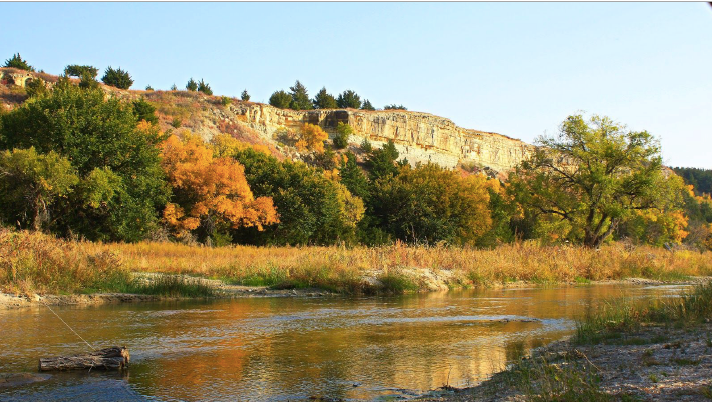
(38, 263)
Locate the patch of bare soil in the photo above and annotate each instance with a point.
(655, 364)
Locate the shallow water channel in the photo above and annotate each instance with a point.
(296, 348)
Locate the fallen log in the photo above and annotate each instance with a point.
(114, 358)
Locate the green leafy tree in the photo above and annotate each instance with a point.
(324, 100)
(88, 82)
(36, 87)
(16, 61)
(204, 88)
(75, 70)
(429, 204)
(95, 133)
(191, 85)
(312, 209)
(280, 99)
(117, 78)
(30, 183)
(245, 96)
(300, 98)
(349, 99)
(593, 176)
(144, 110)
(341, 139)
(367, 105)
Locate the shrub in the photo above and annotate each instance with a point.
(17, 62)
(75, 70)
(88, 82)
(117, 78)
(225, 101)
(394, 107)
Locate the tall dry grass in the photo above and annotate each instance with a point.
(34, 260)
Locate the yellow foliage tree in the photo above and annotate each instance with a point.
(209, 189)
(312, 138)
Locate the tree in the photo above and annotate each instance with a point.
(428, 204)
(593, 176)
(382, 162)
(343, 132)
(349, 99)
(144, 111)
(312, 138)
(245, 96)
(17, 62)
(394, 107)
(149, 88)
(204, 88)
(117, 78)
(324, 100)
(30, 183)
(353, 178)
(280, 99)
(367, 105)
(36, 87)
(102, 139)
(75, 70)
(300, 98)
(210, 192)
(88, 82)
(174, 87)
(191, 85)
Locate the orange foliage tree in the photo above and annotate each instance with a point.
(210, 192)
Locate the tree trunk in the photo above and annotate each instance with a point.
(114, 358)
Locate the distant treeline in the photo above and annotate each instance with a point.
(701, 179)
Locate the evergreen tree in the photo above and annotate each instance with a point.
(191, 85)
(341, 139)
(280, 99)
(88, 82)
(117, 78)
(245, 96)
(367, 105)
(144, 111)
(204, 88)
(353, 178)
(17, 62)
(300, 98)
(349, 99)
(395, 107)
(324, 100)
(382, 162)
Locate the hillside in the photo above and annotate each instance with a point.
(419, 137)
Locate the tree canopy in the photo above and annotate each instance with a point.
(16, 61)
(280, 99)
(349, 99)
(117, 78)
(324, 100)
(595, 174)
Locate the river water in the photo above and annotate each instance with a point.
(281, 349)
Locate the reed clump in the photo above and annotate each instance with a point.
(41, 263)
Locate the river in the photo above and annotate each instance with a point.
(280, 349)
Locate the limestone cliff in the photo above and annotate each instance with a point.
(420, 137)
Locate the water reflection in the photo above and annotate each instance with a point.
(287, 349)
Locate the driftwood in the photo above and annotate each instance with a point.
(114, 358)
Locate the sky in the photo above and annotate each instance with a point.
(517, 69)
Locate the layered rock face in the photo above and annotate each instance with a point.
(419, 137)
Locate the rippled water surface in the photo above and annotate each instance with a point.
(293, 349)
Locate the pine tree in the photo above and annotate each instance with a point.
(117, 78)
(17, 62)
(367, 105)
(353, 178)
(191, 85)
(245, 96)
(324, 100)
(300, 98)
(349, 99)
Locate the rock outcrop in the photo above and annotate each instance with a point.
(420, 137)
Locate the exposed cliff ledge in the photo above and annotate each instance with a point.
(420, 137)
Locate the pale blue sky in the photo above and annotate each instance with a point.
(513, 68)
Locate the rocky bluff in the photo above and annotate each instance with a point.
(419, 137)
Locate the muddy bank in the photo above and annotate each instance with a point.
(428, 280)
(656, 363)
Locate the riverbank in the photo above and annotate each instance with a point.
(37, 264)
(658, 351)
